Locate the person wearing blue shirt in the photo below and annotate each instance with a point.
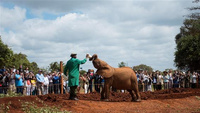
(19, 82)
(56, 82)
(40, 82)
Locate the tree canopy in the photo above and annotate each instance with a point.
(9, 59)
(143, 67)
(122, 64)
(187, 54)
(5, 55)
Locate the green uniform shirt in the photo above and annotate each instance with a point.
(72, 67)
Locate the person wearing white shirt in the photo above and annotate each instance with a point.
(194, 79)
(46, 84)
(160, 81)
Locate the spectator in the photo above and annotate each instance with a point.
(56, 79)
(46, 84)
(97, 82)
(50, 77)
(159, 82)
(27, 83)
(19, 82)
(198, 80)
(85, 83)
(194, 79)
(182, 79)
(166, 80)
(149, 88)
(14, 69)
(154, 78)
(12, 82)
(191, 77)
(67, 87)
(33, 85)
(187, 80)
(146, 80)
(5, 81)
(2, 70)
(90, 78)
(40, 82)
(20, 69)
(140, 85)
(64, 86)
(1, 78)
(138, 76)
(170, 79)
(26, 70)
(72, 67)
(175, 79)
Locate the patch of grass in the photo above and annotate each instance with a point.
(10, 94)
(197, 97)
(31, 107)
(4, 108)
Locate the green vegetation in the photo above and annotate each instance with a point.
(143, 67)
(122, 64)
(197, 97)
(29, 107)
(9, 59)
(5, 108)
(188, 42)
(10, 94)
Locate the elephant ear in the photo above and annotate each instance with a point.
(105, 72)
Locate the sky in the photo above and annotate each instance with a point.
(131, 31)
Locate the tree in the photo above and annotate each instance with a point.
(122, 64)
(34, 67)
(187, 54)
(54, 66)
(143, 67)
(9, 59)
(6, 55)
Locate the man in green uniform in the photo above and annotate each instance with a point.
(72, 67)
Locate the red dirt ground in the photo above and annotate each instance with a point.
(164, 101)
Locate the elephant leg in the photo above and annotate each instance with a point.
(135, 89)
(103, 93)
(107, 91)
(132, 95)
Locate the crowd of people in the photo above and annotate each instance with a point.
(28, 83)
(148, 81)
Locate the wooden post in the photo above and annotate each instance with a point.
(61, 71)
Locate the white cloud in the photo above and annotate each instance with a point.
(136, 32)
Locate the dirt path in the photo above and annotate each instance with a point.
(183, 105)
(165, 101)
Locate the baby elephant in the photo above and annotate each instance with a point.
(119, 78)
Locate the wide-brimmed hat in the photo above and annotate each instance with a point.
(73, 54)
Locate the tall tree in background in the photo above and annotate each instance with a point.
(10, 59)
(54, 66)
(122, 64)
(6, 55)
(187, 54)
(143, 67)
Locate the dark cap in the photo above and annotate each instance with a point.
(73, 54)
